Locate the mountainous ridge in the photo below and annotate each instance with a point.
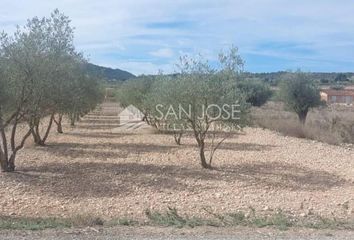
(117, 75)
(107, 73)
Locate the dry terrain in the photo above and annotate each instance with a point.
(332, 124)
(153, 233)
(97, 169)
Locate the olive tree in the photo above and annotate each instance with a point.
(161, 96)
(300, 94)
(53, 37)
(84, 95)
(76, 95)
(62, 86)
(204, 100)
(135, 92)
(257, 92)
(39, 69)
(17, 80)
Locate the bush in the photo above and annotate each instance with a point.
(257, 93)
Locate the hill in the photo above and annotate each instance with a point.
(108, 74)
(321, 77)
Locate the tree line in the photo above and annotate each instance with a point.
(42, 79)
(196, 83)
(198, 99)
(322, 78)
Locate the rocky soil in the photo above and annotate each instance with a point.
(95, 169)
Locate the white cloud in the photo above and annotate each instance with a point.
(139, 68)
(163, 53)
(107, 30)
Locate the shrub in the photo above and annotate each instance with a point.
(257, 93)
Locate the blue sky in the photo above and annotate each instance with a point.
(144, 36)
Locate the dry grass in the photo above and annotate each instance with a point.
(333, 124)
(171, 218)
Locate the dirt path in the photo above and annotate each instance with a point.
(150, 233)
(94, 170)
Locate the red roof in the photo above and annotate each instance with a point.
(334, 92)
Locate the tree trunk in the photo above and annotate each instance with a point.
(60, 128)
(204, 163)
(177, 136)
(302, 117)
(7, 163)
(58, 123)
(11, 163)
(6, 168)
(37, 135)
(72, 122)
(72, 119)
(3, 162)
(15, 149)
(48, 128)
(4, 151)
(145, 119)
(35, 132)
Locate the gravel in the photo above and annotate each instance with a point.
(148, 233)
(94, 170)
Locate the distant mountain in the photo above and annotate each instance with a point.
(108, 74)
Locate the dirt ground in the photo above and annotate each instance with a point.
(153, 233)
(93, 169)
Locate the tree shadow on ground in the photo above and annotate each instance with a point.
(123, 150)
(97, 126)
(98, 135)
(103, 150)
(95, 180)
(107, 179)
(99, 121)
(245, 146)
(233, 146)
(227, 135)
(283, 175)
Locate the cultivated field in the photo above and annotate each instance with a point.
(98, 170)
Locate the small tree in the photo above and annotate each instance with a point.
(62, 86)
(53, 53)
(83, 95)
(300, 94)
(135, 92)
(17, 85)
(196, 98)
(162, 93)
(257, 92)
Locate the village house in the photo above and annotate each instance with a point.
(332, 96)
